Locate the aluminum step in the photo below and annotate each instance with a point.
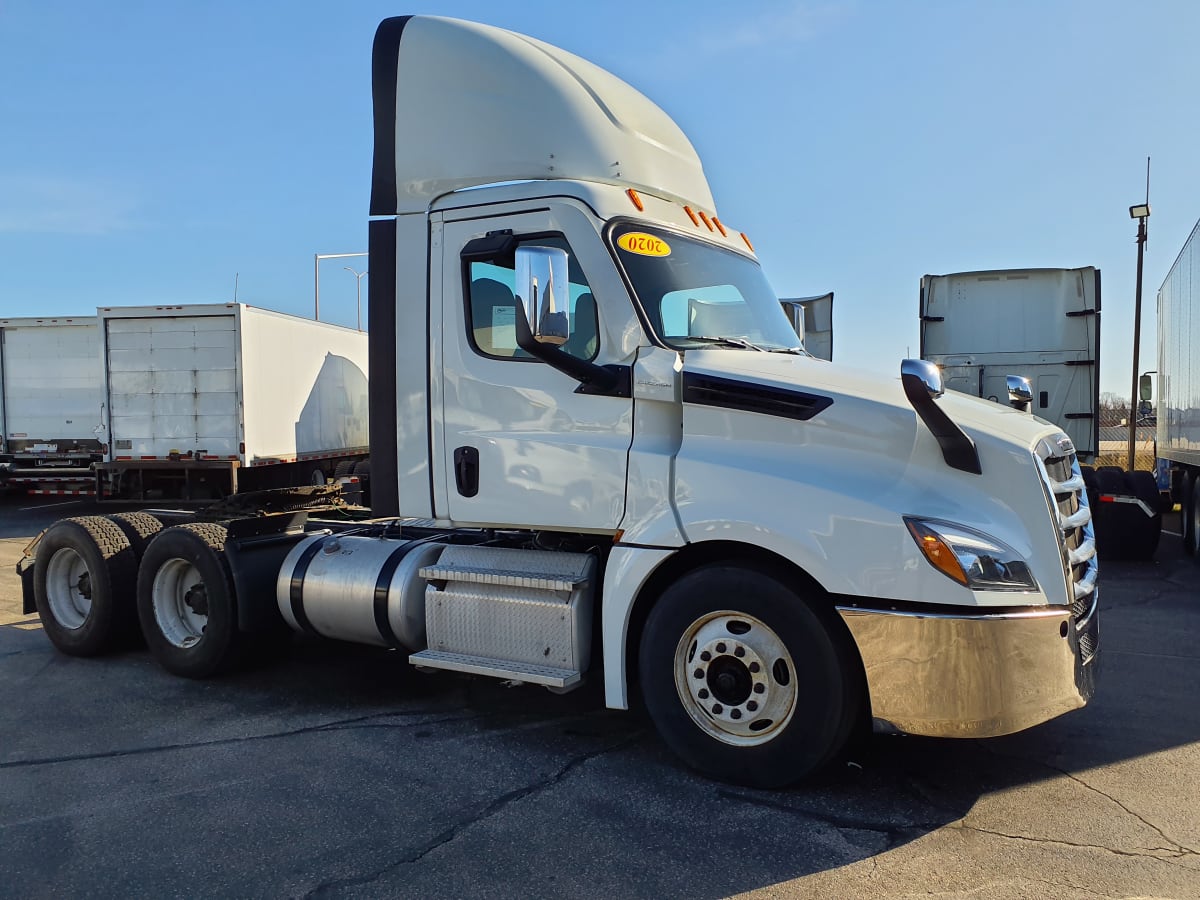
(496, 668)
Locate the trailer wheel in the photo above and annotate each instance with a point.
(1191, 545)
(186, 601)
(1143, 539)
(344, 468)
(745, 680)
(81, 583)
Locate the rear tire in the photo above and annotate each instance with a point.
(1144, 536)
(745, 680)
(139, 528)
(1187, 505)
(186, 601)
(81, 579)
(1192, 545)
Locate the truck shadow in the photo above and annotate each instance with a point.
(471, 764)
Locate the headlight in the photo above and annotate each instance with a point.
(970, 557)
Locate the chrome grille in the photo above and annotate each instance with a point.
(1068, 499)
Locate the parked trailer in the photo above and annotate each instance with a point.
(51, 403)
(1042, 325)
(1178, 407)
(588, 466)
(207, 400)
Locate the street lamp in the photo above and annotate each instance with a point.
(359, 277)
(317, 257)
(1141, 212)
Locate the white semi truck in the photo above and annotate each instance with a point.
(194, 402)
(1178, 406)
(599, 452)
(981, 328)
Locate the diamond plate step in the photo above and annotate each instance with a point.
(496, 668)
(536, 569)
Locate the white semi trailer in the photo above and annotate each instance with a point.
(194, 402)
(51, 402)
(981, 328)
(1178, 407)
(598, 452)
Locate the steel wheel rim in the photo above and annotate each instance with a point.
(736, 679)
(177, 594)
(68, 589)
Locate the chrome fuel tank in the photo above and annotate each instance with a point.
(361, 589)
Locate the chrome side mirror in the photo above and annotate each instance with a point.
(1020, 392)
(543, 293)
(926, 372)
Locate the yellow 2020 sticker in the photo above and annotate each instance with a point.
(644, 244)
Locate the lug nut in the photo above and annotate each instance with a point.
(705, 656)
(735, 713)
(718, 709)
(759, 688)
(754, 667)
(739, 652)
(752, 705)
(699, 673)
(702, 693)
(721, 648)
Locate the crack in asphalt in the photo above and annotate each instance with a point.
(1149, 852)
(894, 832)
(1178, 847)
(492, 808)
(369, 721)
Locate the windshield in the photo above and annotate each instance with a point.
(696, 294)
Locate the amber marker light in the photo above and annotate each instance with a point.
(637, 201)
(706, 220)
(720, 227)
(692, 216)
(939, 555)
(747, 240)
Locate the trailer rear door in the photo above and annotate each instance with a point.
(51, 385)
(1044, 324)
(173, 386)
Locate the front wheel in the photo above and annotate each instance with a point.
(186, 602)
(745, 680)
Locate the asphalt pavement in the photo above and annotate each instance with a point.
(341, 771)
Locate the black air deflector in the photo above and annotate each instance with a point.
(385, 56)
(730, 393)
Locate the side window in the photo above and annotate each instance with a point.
(492, 307)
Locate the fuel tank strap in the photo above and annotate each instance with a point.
(296, 590)
(382, 585)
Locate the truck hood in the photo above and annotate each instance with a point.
(849, 389)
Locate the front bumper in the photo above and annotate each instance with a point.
(975, 675)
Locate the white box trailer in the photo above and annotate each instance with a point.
(51, 401)
(1178, 407)
(1043, 324)
(203, 399)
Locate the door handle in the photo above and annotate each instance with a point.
(466, 470)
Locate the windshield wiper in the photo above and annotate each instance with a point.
(797, 351)
(728, 342)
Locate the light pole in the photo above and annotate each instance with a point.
(1141, 212)
(317, 257)
(358, 277)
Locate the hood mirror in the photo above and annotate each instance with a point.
(1020, 392)
(929, 375)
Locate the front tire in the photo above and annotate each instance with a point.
(81, 583)
(745, 680)
(186, 601)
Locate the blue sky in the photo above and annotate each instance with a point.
(152, 151)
